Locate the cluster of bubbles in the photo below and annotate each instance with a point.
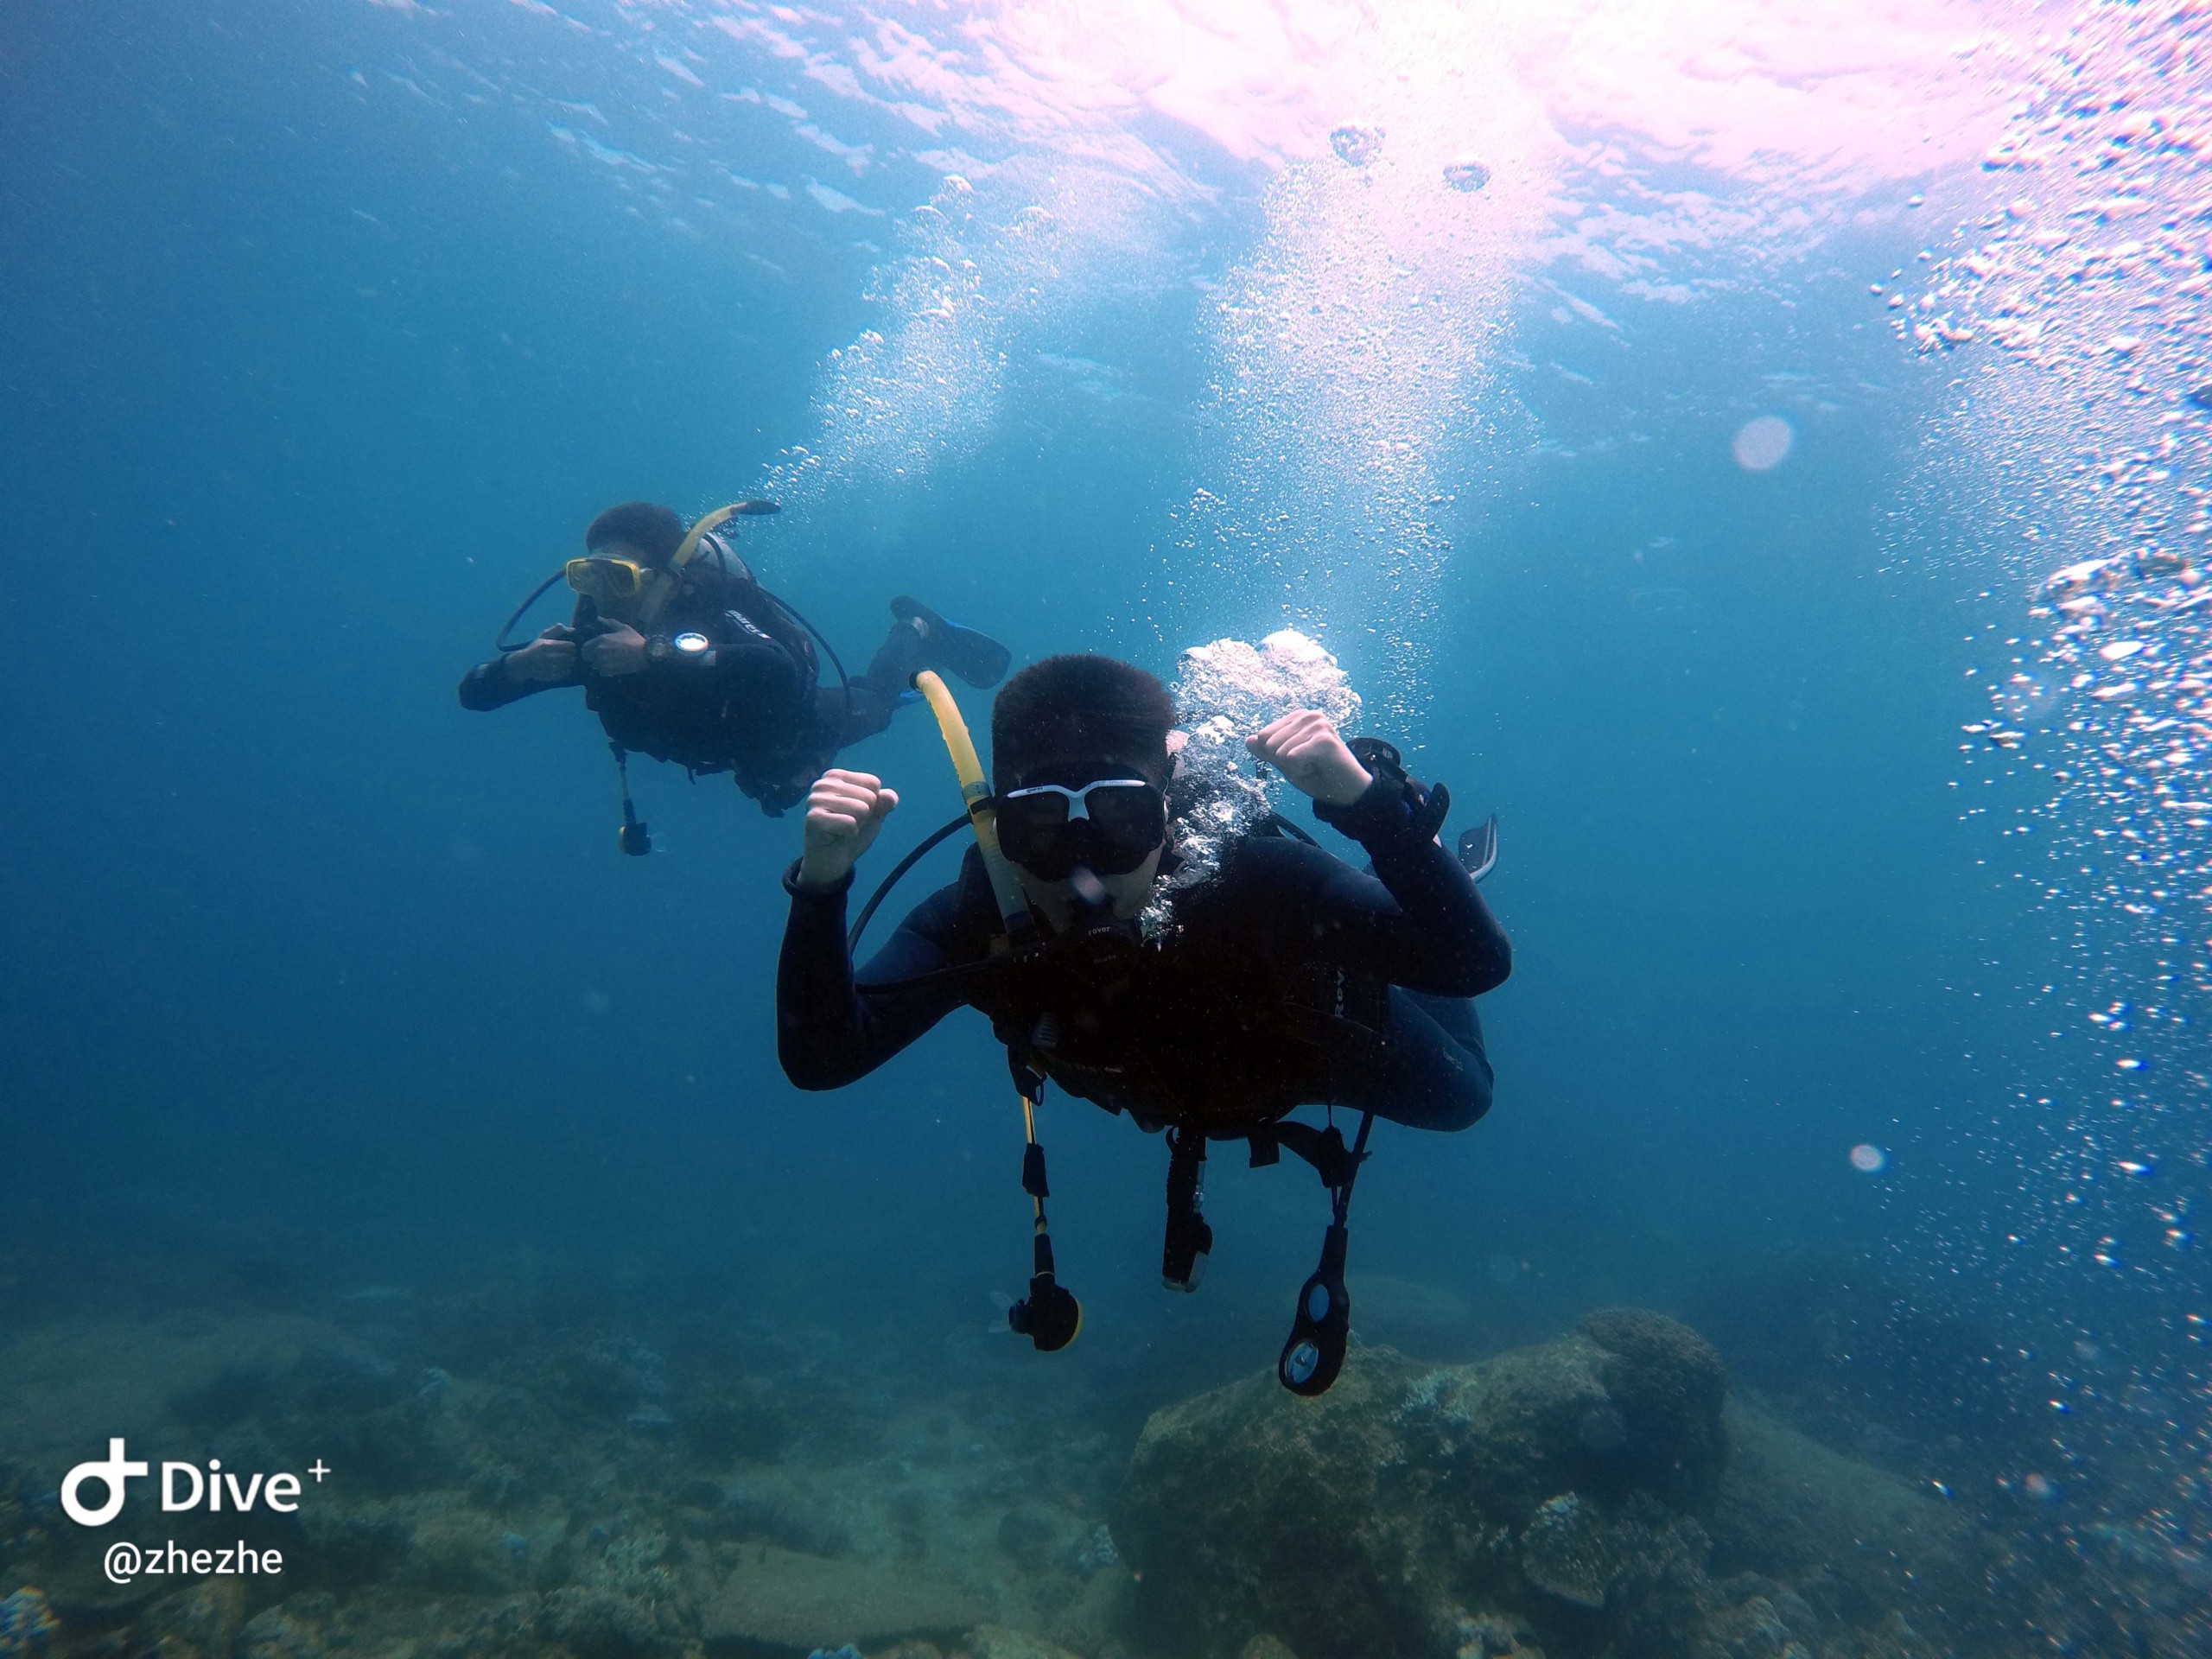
(1223, 692)
(2073, 316)
(2078, 316)
(1354, 351)
(980, 272)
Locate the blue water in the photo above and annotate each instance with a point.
(324, 331)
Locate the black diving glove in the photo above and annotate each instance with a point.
(1394, 798)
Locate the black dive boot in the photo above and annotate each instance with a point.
(976, 658)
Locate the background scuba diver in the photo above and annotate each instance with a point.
(687, 658)
(1288, 978)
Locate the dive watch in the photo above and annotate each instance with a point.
(688, 646)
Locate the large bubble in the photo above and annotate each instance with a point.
(1224, 692)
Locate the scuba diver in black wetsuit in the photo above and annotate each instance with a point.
(685, 657)
(1288, 978)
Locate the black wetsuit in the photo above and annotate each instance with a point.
(752, 705)
(1290, 979)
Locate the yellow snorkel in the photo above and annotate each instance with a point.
(688, 546)
(975, 795)
(1049, 1316)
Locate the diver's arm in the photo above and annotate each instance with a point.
(1418, 921)
(756, 672)
(495, 684)
(827, 1033)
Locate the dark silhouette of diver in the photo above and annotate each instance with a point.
(684, 656)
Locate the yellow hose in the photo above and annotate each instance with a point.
(975, 793)
(715, 520)
(1013, 911)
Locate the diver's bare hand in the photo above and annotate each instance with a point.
(844, 810)
(620, 650)
(1305, 748)
(542, 659)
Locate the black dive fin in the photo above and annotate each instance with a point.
(976, 658)
(1478, 848)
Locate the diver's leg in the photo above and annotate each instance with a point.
(875, 695)
(1433, 1073)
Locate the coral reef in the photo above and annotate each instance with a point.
(581, 1482)
(571, 1483)
(1596, 1494)
(777, 1598)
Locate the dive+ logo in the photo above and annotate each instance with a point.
(206, 1491)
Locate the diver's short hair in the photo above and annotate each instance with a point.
(654, 531)
(1080, 707)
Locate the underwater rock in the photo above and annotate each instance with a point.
(392, 1623)
(291, 1630)
(1852, 1538)
(1565, 1551)
(597, 1622)
(1466, 175)
(1637, 1411)
(1265, 1646)
(455, 1549)
(1494, 1635)
(201, 1623)
(1247, 1510)
(1641, 1560)
(778, 1597)
(1098, 1552)
(989, 1641)
(1668, 1383)
(1585, 1490)
(352, 1546)
(627, 1601)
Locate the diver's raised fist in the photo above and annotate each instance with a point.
(844, 810)
(1305, 748)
